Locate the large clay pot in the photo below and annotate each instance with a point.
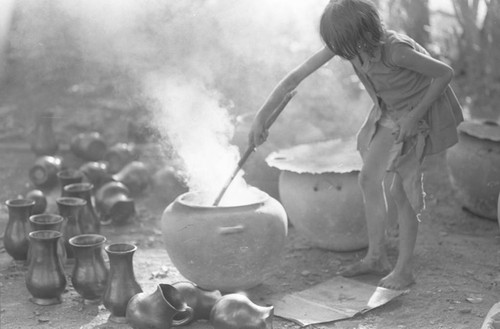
(159, 309)
(237, 311)
(474, 167)
(44, 171)
(45, 278)
(15, 238)
(43, 140)
(200, 300)
(320, 192)
(225, 248)
(89, 146)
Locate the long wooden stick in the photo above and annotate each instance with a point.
(252, 147)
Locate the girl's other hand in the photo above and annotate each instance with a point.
(407, 128)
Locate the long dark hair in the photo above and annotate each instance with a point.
(348, 26)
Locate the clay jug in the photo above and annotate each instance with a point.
(114, 204)
(199, 299)
(90, 273)
(96, 173)
(68, 176)
(89, 222)
(237, 311)
(43, 140)
(44, 171)
(89, 146)
(49, 222)
(168, 184)
(45, 278)
(135, 176)
(122, 284)
(226, 248)
(40, 201)
(162, 309)
(119, 155)
(15, 238)
(70, 209)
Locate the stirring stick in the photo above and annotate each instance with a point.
(252, 147)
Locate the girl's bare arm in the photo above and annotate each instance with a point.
(258, 133)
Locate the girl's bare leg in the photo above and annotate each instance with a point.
(371, 179)
(402, 274)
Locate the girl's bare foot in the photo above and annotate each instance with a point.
(397, 280)
(366, 266)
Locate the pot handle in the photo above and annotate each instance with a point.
(231, 229)
(189, 316)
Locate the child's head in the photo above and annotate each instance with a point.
(350, 26)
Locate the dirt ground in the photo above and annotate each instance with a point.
(456, 257)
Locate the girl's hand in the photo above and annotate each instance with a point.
(258, 133)
(407, 127)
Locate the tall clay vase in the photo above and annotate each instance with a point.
(122, 284)
(90, 273)
(49, 222)
(43, 140)
(15, 239)
(89, 222)
(70, 209)
(162, 309)
(44, 171)
(67, 177)
(89, 146)
(45, 278)
(199, 299)
(114, 204)
(237, 311)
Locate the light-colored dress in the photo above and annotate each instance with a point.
(396, 91)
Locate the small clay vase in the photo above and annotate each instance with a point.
(15, 238)
(161, 309)
(237, 311)
(49, 222)
(114, 204)
(89, 146)
(45, 278)
(43, 140)
(70, 209)
(40, 201)
(122, 284)
(119, 155)
(44, 171)
(96, 173)
(89, 222)
(69, 176)
(200, 300)
(90, 273)
(135, 176)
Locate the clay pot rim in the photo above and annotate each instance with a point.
(121, 248)
(78, 187)
(93, 239)
(260, 197)
(67, 200)
(44, 234)
(51, 219)
(18, 203)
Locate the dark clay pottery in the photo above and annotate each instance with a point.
(163, 309)
(122, 284)
(44, 171)
(119, 155)
(15, 238)
(168, 184)
(96, 173)
(135, 176)
(45, 278)
(89, 146)
(68, 176)
(114, 204)
(200, 300)
(237, 311)
(49, 222)
(40, 201)
(70, 209)
(89, 222)
(90, 273)
(43, 141)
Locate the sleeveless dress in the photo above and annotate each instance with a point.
(395, 91)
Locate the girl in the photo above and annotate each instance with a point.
(415, 113)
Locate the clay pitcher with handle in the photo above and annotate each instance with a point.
(199, 299)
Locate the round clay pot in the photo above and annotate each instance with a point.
(319, 189)
(40, 201)
(474, 167)
(114, 204)
(89, 146)
(44, 171)
(119, 155)
(225, 248)
(200, 300)
(135, 175)
(96, 173)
